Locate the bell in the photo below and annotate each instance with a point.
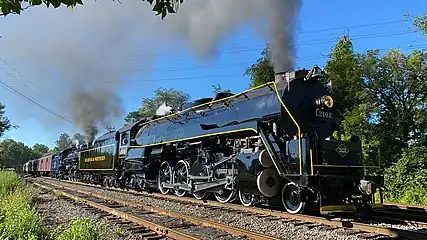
(317, 72)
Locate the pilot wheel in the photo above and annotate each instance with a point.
(291, 198)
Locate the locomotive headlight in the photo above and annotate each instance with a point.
(326, 101)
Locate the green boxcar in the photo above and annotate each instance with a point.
(101, 156)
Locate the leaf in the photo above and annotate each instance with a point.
(164, 13)
(158, 7)
(36, 2)
(169, 7)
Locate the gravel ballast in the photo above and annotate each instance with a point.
(276, 228)
(59, 212)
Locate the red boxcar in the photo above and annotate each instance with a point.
(45, 164)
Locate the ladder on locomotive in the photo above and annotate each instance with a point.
(276, 148)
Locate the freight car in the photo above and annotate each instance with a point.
(270, 144)
(45, 165)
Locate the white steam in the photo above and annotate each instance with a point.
(163, 110)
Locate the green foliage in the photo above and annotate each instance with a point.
(342, 70)
(18, 218)
(172, 97)
(350, 99)
(14, 153)
(9, 182)
(165, 7)
(79, 137)
(406, 181)
(421, 23)
(383, 100)
(5, 124)
(40, 149)
(85, 229)
(64, 141)
(262, 71)
(396, 86)
(162, 7)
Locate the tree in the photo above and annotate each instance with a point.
(262, 71)
(13, 154)
(5, 124)
(421, 23)
(162, 7)
(396, 84)
(343, 72)
(349, 97)
(171, 97)
(79, 137)
(64, 141)
(40, 149)
(217, 88)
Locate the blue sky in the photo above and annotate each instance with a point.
(320, 24)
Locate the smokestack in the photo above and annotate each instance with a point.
(280, 77)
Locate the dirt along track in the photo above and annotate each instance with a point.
(161, 222)
(306, 227)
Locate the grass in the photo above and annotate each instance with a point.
(85, 229)
(19, 219)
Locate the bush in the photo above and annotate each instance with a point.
(85, 229)
(18, 218)
(406, 180)
(9, 181)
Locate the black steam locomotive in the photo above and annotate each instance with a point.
(270, 144)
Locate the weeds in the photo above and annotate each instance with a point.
(85, 229)
(9, 182)
(18, 218)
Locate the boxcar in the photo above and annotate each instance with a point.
(34, 166)
(45, 165)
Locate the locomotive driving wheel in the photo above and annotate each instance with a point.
(225, 195)
(200, 195)
(165, 176)
(291, 198)
(247, 200)
(180, 176)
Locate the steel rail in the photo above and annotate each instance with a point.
(405, 206)
(161, 211)
(392, 232)
(160, 230)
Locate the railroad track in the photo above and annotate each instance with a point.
(161, 222)
(361, 229)
(402, 214)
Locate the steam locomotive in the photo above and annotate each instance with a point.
(270, 144)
